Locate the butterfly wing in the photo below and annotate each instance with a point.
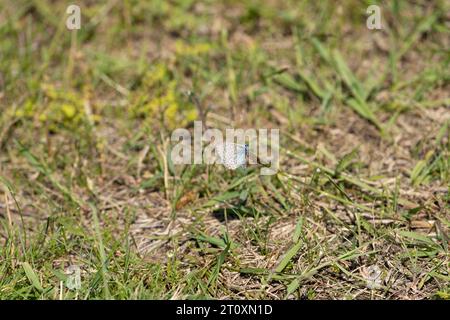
(241, 155)
(232, 155)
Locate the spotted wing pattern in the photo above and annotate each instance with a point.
(232, 155)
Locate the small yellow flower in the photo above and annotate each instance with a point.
(68, 110)
(185, 49)
(155, 75)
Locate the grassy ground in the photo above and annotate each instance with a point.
(359, 209)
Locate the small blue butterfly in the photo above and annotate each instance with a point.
(232, 155)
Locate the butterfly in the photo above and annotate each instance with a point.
(232, 155)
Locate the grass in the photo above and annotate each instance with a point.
(86, 179)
